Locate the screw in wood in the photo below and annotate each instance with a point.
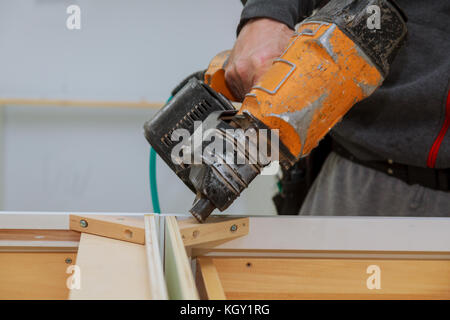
(83, 223)
(68, 260)
(233, 228)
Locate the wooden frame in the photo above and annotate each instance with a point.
(328, 258)
(229, 257)
(116, 257)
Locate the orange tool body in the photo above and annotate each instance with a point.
(309, 88)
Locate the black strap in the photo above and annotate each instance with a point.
(437, 179)
(298, 179)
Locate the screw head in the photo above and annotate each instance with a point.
(83, 223)
(233, 228)
(68, 260)
(348, 18)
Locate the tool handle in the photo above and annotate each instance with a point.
(215, 75)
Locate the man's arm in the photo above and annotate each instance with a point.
(289, 12)
(263, 33)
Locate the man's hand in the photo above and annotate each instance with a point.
(258, 44)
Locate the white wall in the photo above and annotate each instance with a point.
(96, 159)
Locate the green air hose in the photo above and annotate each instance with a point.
(152, 178)
(153, 183)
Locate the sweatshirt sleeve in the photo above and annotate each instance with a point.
(289, 12)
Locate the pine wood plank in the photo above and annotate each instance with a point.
(116, 227)
(34, 276)
(294, 278)
(213, 230)
(208, 278)
(38, 235)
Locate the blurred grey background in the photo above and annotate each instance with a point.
(59, 158)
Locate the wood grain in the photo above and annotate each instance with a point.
(34, 275)
(116, 227)
(207, 277)
(38, 235)
(213, 230)
(294, 278)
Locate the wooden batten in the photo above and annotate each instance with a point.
(37, 240)
(116, 227)
(293, 278)
(214, 230)
(208, 280)
(38, 235)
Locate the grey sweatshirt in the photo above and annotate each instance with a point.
(407, 119)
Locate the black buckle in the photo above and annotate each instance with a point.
(424, 176)
(443, 177)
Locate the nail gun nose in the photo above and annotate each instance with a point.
(202, 208)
